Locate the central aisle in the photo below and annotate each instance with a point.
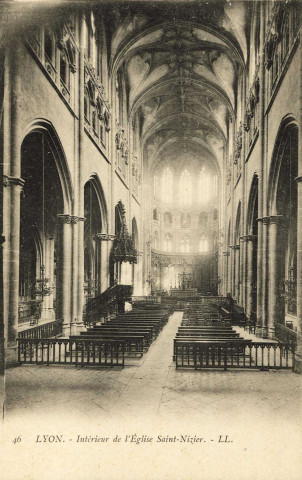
(145, 388)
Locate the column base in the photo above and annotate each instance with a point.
(258, 331)
(76, 328)
(264, 332)
(66, 329)
(298, 363)
(271, 332)
(11, 356)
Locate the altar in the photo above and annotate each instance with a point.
(180, 293)
(185, 280)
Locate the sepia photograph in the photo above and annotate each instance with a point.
(151, 239)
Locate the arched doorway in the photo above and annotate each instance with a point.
(236, 248)
(42, 201)
(92, 242)
(252, 252)
(282, 301)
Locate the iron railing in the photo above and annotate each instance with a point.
(285, 335)
(45, 351)
(46, 330)
(213, 355)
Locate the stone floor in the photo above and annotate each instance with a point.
(259, 411)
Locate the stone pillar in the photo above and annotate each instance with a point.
(242, 270)
(11, 253)
(298, 355)
(49, 273)
(261, 259)
(237, 273)
(104, 244)
(13, 185)
(232, 270)
(274, 304)
(64, 279)
(226, 273)
(249, 276)
(80, 271)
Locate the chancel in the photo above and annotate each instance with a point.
(151, 194)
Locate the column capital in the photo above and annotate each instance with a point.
(251, 238)
(264, 220)
(8, 181)
(104, 236)
(299, 179)
(242, 238)
(74, 219)
(226, 254)
(276, 219)
(64, 218)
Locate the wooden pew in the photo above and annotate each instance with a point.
(134, 344)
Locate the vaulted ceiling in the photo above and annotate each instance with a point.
(182, 63)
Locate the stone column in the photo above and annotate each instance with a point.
(298, 355)
(232, 270)
(226, 273)
(249, 276)
(261, 259)
(64, 272)
(105, 243)
(237, 272)
(274, 304)
(13, 184)
(80, 271)
(241, 270)
(11, 253)
(49, 271)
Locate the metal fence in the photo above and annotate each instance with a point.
(262, 355)
(47, 330)
(45, 351)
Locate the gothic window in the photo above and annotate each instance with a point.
(203, 244)
(168, 242)
(203, 219)
(185, 188)
(215, 214)
(155, 240)
(90, 41)
(167, 185)
(94, 120)
(64, 69)
(155, 185)
(167, 219)
(204, 187)
(185, 220)
(185, 245)
(49, 49)
(285, 36)
(155, 214)
(215, 182)
(86, 105)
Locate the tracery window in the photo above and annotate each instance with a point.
(167, 219)
(168, 242)
(155, 185)
(185, 188)
(203, 244)
(185, 245)
(167, 185)
(204, 187)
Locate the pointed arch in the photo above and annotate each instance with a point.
(45, 127)
(98, 188)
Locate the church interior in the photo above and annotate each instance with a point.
(151, 201)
